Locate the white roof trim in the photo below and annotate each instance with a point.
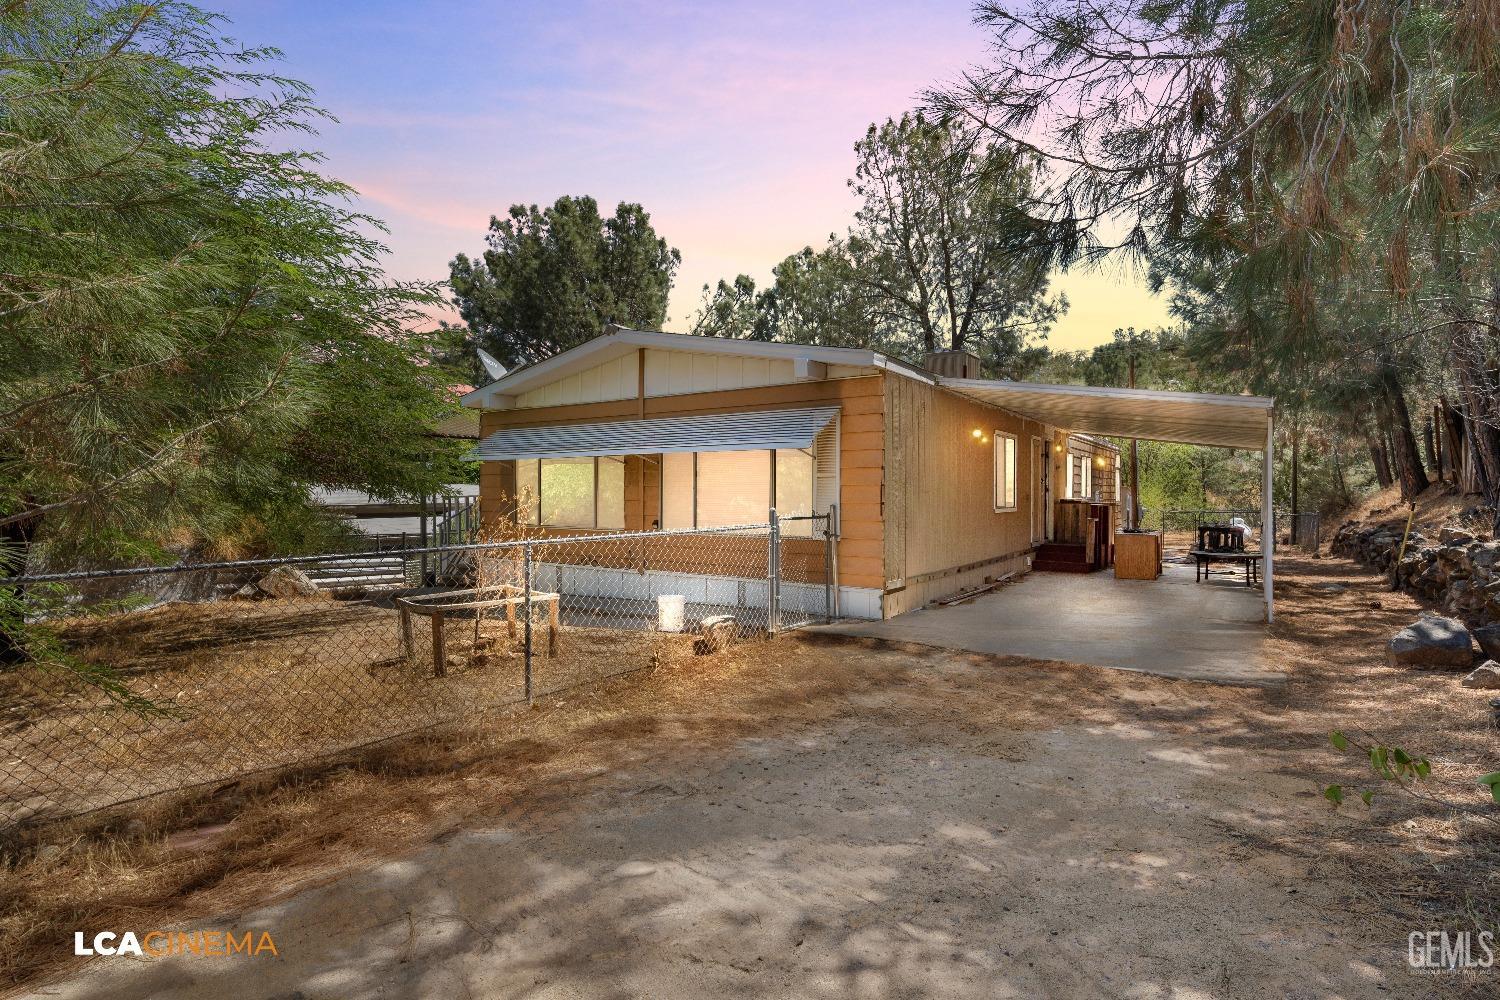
(620, 340)
(1153, 414)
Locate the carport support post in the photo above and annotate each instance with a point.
(1268, 519)
(526, 584)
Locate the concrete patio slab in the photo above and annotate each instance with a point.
(1172, 626)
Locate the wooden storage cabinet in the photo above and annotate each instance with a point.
(1137, 555)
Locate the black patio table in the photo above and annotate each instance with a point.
(1203, 557)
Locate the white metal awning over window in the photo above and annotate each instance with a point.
(1186, 417)
(746, 431)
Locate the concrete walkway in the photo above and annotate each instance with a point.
(1173, 626)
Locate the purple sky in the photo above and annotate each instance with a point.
(732, 124)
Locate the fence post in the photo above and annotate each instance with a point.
(773, 577)
(526, 590)
(831, 561)
(422, 533)
(827, 568)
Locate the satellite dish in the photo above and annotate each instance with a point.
(495, 368)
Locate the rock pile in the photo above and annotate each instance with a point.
(1457, 570)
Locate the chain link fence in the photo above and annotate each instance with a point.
(134, 682)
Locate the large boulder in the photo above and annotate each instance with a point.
(1489, 640)
(287, 581)
(1431, 641)
(1486, 676)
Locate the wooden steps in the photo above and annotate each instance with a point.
(1061, 557)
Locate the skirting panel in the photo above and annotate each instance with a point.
(918, 594)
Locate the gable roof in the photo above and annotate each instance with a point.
(618, 340)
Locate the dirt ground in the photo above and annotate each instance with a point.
(829, 819)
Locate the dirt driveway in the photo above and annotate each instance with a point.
(844, 820)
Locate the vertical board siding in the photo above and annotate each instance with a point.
(940, 501)
(676, 373)
(614, 379)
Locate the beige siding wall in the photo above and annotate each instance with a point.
(615, 379)
(667, 373)
(942, 532)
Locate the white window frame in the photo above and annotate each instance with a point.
(1015, 467)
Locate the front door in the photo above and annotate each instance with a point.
(1041, 490)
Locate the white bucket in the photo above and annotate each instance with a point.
(671, 612)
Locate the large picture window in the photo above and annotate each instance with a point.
(573, 492)
(719, 489)
(1005, 471)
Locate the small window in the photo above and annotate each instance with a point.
(1005, 471)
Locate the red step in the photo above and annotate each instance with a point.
(1048, 566)
(1062, 557)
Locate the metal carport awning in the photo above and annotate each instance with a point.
(752, 430)
(1184, 417)
(1155, 415)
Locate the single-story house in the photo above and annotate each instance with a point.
(940, 479)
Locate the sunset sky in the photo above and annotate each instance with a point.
(732, 124)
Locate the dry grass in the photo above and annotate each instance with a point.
(269, 684)
(240, 844)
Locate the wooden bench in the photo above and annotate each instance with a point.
(504, 595)
(1202, 558)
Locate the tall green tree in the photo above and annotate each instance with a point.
(942, 255)
(553, 277)
(1318, 181)
(186, 305)
(815, 297)
(942, 236)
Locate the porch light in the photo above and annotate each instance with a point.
(1100, 461)
(985, 439)
(978, 432)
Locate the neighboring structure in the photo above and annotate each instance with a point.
(939, 480)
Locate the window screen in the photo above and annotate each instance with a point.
(734, 487)
(611, 497)
(568, 492)
(794, 489)
(677, 491)
(528, 510)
